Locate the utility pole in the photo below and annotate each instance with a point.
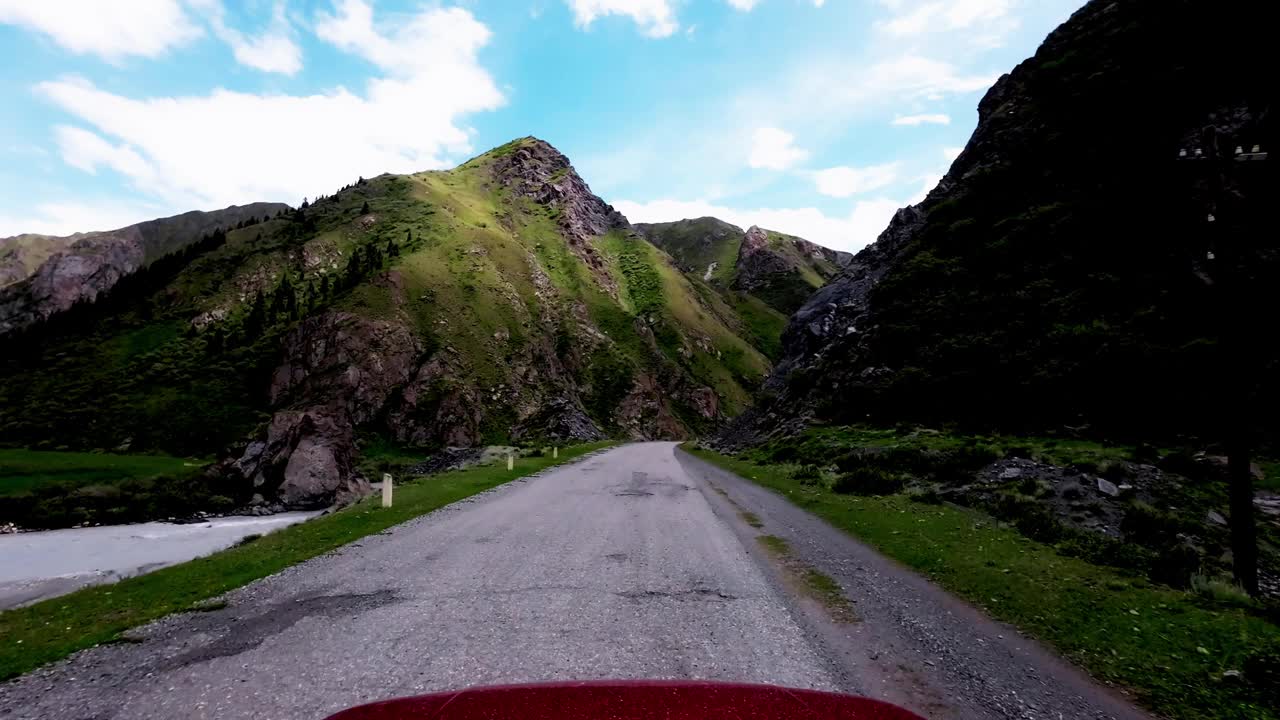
(1225, 275)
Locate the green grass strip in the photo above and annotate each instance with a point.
(1170, 648)
(50, 630)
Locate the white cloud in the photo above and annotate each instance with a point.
(983, 21)
(913, 120)
(774, 149)
(232, 147)
(845, 181)
(656, 18)
(864, 223)
(951, 153)
(67, 218)
(88, 151)
(805, 93)
(744, 5)
(273, 51)
(112, 30)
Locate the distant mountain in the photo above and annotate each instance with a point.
(1064, 272)
(763, 275)
(42, 275)
(495, 302)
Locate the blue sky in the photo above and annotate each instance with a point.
(815, 117)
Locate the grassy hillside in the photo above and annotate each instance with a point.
(759, 286)
(696, 244)
(517, 311)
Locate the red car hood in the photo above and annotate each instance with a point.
(630, 700)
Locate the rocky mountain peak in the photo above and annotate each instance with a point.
(537, 170)
(755, 240)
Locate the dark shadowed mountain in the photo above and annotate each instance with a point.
(1064, 272)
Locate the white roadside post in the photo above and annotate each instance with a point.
(386, 490)
(555, 453)
(511, 462)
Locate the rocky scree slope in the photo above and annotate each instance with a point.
(763, 275)
(1059, 273)
(43, 275)
(496, 302)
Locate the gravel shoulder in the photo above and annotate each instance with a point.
(913, 643)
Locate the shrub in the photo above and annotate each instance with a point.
(1175, 565)
(868, 481)
(1103, 550)
(220, 503)
(1115, 472)
(1220, 591)
(1149, 526)
(781, 453)
(1018, 451)
(927, 496)
(1144, 453)
(1030, 517)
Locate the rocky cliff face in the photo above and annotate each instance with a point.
(90, 267)
(1058, 273)
(82, 267)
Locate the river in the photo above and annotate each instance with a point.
(39, 565)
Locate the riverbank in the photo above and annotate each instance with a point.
(45, 564)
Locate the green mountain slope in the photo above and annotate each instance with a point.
(763, 276)
(497, 301)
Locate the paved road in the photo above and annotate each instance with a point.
(625, 565)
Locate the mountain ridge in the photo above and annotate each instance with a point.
(763, 275)
(498, 301)
(43, 275)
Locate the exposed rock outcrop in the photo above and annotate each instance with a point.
(90, 267)
(305, 459)
(536, 170)
(345, 361)
(338, 372)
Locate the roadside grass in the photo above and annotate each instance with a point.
(1173, 650)
(774, 544)
(751, 519)
(22, 471)
(816, 584)
(827, 442)
(50, 630)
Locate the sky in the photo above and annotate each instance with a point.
(818, 118)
